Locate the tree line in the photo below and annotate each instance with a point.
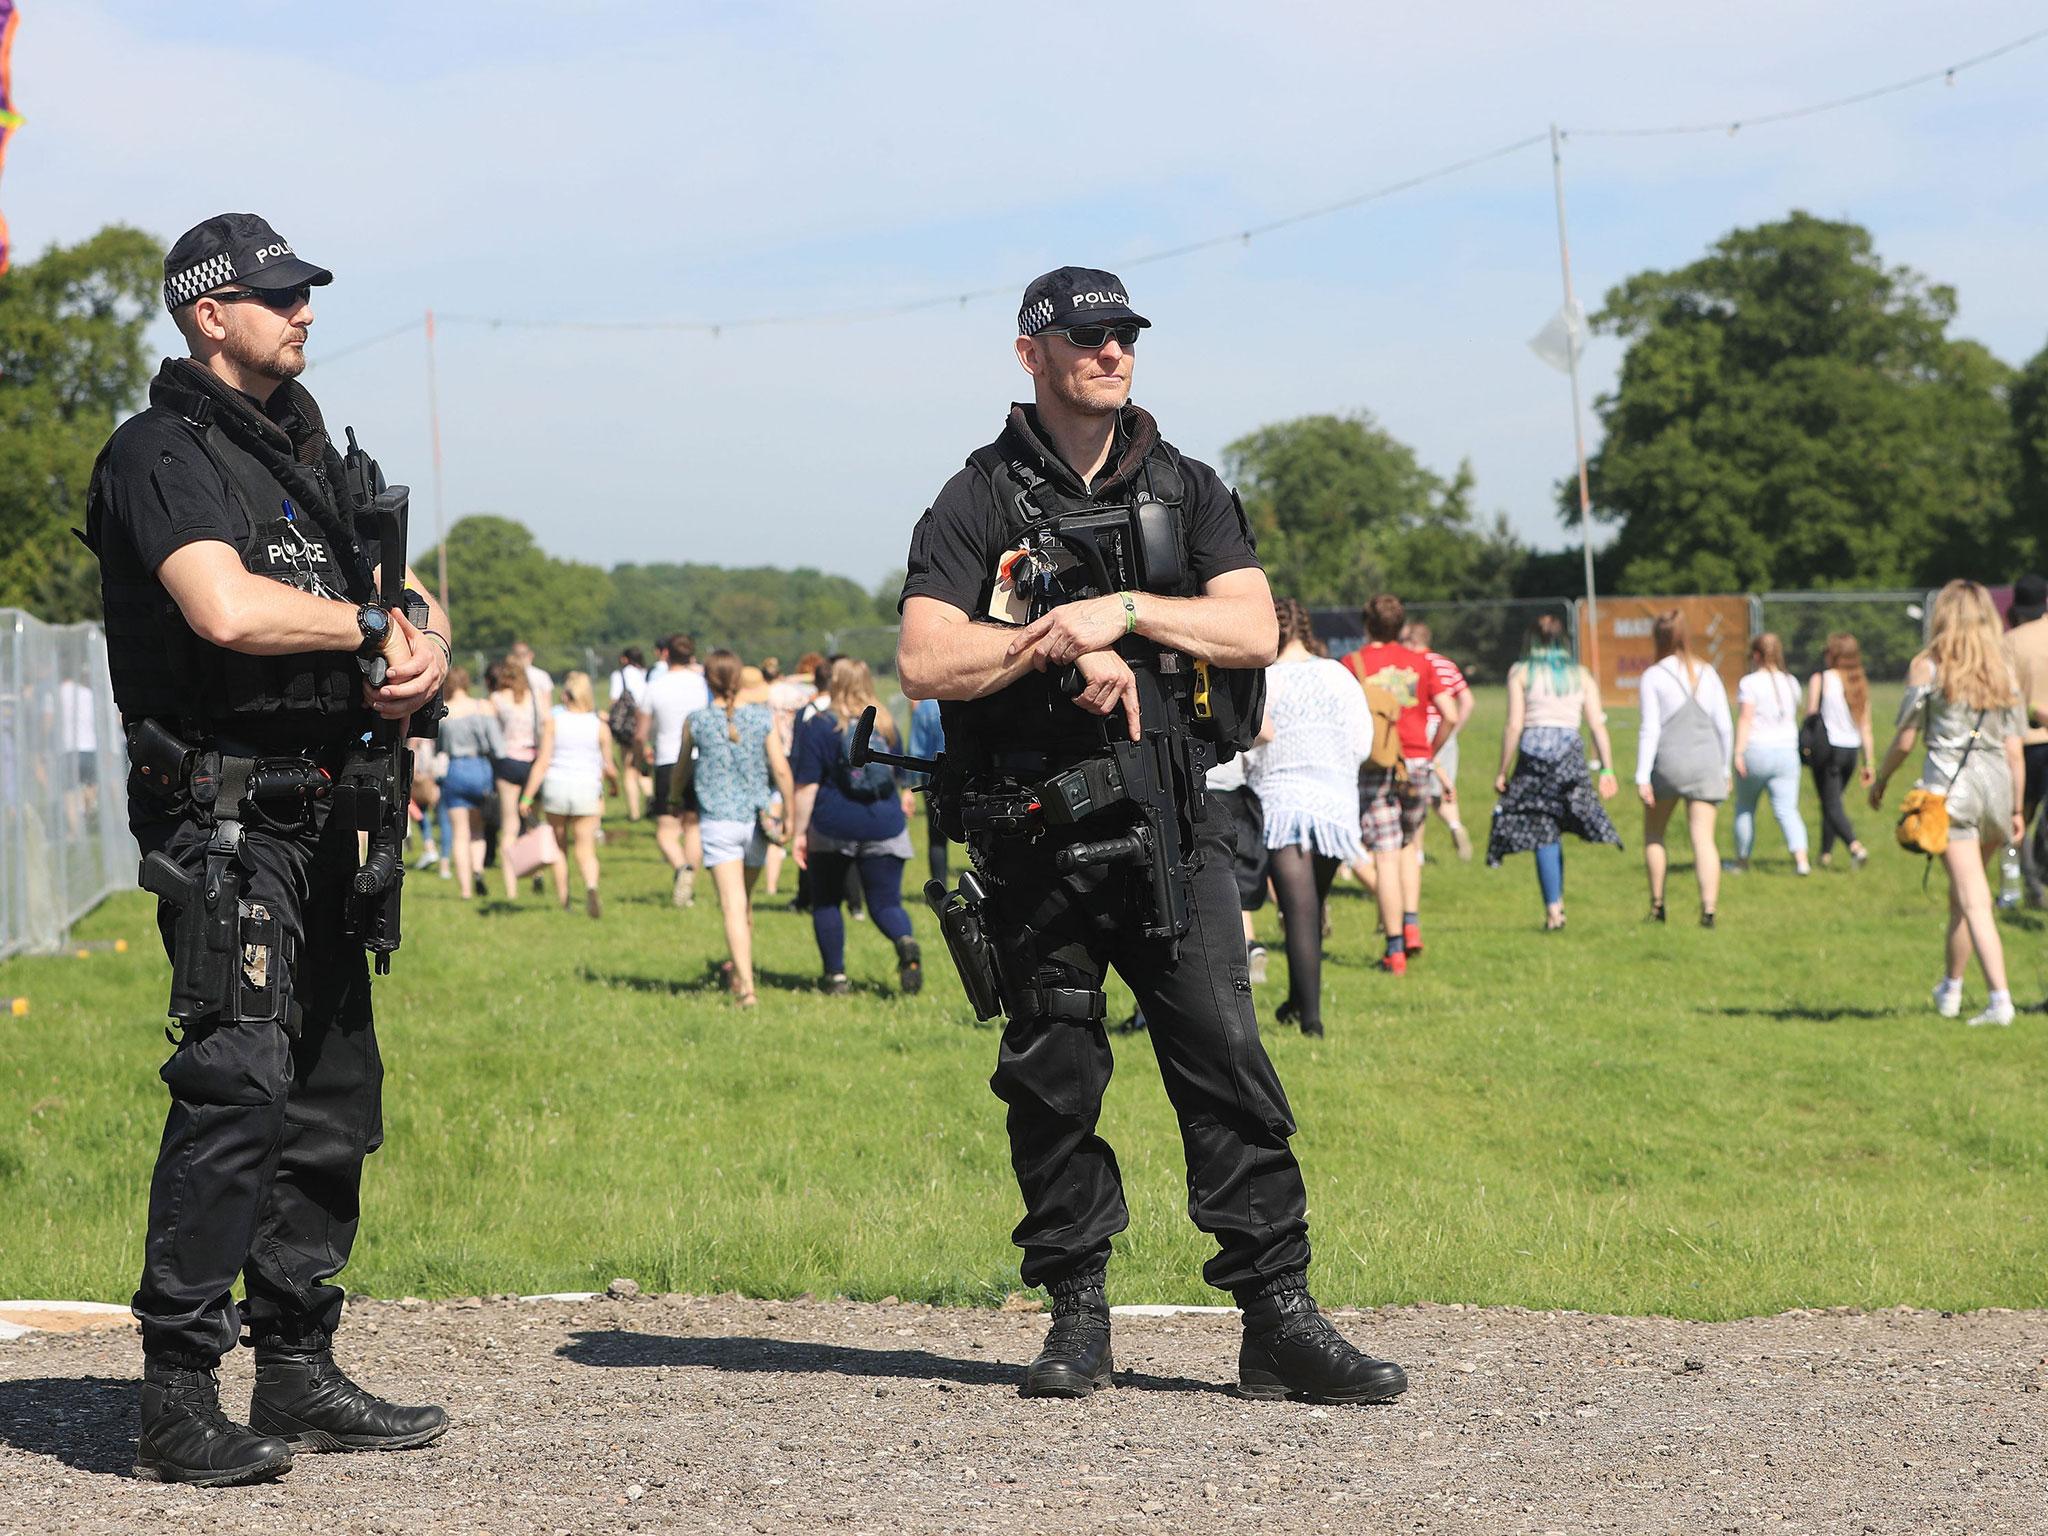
(1790, 413)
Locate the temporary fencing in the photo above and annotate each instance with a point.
(1484, 638)
(1889, 626)
(64, 840)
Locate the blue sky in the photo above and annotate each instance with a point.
(626, 162)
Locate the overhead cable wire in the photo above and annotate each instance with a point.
(373, 341)
(1813, 109)
(935, 301)
(1234, 237)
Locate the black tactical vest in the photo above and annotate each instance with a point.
(161, 668)
(1031, 713)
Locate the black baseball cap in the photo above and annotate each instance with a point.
(2029, 599)
(234, 248)
(1075, 296)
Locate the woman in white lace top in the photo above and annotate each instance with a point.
(1306, 778)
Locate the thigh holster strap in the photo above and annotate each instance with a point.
(1068, 1003)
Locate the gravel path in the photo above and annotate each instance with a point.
(718, 1414)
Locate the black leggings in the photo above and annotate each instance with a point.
(1833, 768)
(1301, 879)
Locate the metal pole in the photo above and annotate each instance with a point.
(1564, 261)
(434, 432)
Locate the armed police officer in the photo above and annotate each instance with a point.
(1088, 606)
(265, 675)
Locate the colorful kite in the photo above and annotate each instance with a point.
(9, 118)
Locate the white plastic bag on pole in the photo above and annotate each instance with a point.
(1563, 337)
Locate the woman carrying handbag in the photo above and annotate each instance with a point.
(1963, 694)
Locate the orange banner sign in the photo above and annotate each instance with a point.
(1718, 629)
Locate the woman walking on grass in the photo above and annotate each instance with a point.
(519, 723)
(1549, 696)
(739, 766)
(849, 821)
(1840, 694)
(1964, 696)
(1767, 751)
(1682, 755)
(1305, 774)
(574, 764)
(471, 739)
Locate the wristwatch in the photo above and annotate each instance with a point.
(374, 620)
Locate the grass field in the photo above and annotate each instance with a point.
(1619, 1117)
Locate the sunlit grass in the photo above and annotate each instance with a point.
(1619, 1117)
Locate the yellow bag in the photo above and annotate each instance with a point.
(1385, 707)
(1923, 814)
(1923, 822)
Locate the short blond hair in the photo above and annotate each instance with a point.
(576, 692)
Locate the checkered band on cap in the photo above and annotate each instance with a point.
(187, 285)
(1033, 318)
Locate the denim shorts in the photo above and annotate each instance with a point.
(469, 784)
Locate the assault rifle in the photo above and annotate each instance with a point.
(1151, 785)
(373, 792)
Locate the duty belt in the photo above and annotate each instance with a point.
(223, 784)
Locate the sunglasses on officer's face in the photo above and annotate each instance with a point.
(283, 300)
(1090, 338)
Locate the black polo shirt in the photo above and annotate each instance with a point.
(961, 537)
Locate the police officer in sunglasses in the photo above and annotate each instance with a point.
(251, 656)
(1076, 582)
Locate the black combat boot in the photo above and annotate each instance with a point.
(302, 1395)
(186, 1438)
(909, 965)
(1075, 1359)
(1292, 1350)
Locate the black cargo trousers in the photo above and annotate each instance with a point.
(1058, 933)
(262, 1156)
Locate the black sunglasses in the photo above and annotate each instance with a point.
(283, 300)
(1091, 337)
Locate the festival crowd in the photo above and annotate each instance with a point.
(745, 769)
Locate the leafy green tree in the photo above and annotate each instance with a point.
(2029, 400)
(1793, 413)
(504, 587)
(1342, 509)
(72, 361)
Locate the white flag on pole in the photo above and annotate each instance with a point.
(1563, 337)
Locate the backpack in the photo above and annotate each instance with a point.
(624, 718)
(865, 785)
(1386, 720)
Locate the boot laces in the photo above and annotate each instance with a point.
(198, 1395)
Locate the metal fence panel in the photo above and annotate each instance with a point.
(64, 840)
(1483, 638)
(1890, 627)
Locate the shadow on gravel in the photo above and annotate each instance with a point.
(612, 1347)
(86, 1422)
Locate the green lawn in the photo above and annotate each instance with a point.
(1620, 1117)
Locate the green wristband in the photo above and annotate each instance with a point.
(1130, 613)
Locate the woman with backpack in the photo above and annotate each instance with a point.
(850, 819)
(1767, 751)
(628, 687)
(1682, 754)
(1963, 695)
(737, 767)
(1549, 696)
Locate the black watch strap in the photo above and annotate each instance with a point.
(374, 621)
